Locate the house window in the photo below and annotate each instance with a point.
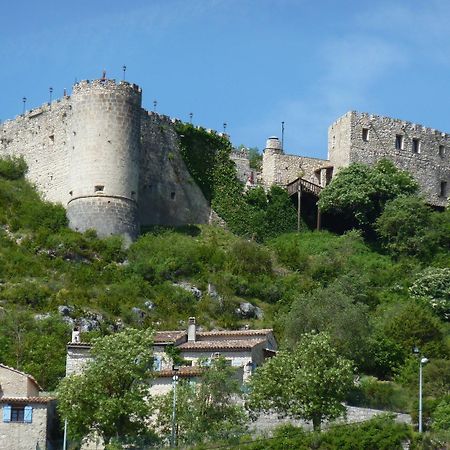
(365, 134)
(443, 192)
(157, 363)
(441, 151)
(399, 142)
(416, 145)
(17, 413)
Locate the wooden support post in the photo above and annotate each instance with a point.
(319, 218)
(299, 206)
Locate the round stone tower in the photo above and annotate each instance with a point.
(273, 145)
(104, 157)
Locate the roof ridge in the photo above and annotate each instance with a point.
(22, 373)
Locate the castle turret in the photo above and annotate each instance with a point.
(104, 157)
(273, 145)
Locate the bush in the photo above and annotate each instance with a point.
(13, 168)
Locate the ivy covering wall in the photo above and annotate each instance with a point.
(254, 213)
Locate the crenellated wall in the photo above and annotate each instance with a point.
(112, 164)
(367, 138)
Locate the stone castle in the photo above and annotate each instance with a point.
(117, 167)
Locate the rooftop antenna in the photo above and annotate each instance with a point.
(24, 101)
(282, 135)
(124, 69)
(103, 75)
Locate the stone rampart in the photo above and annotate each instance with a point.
(422, 151)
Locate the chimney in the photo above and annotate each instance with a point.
(76, 335)
(191, 329)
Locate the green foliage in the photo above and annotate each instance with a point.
(358, 192)
(308, 383)
(109, 397)
(411, 324)
(255, 158)
(433, 285)
(385, 395)
(12, 168)
(406, 228)
(380, 433)
(205, 411)
(441, 415)
(334, 311)
(254, 214)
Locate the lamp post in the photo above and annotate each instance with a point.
(50, 91)
(173, 438)
(282, 136)
(124, 69)
(24, 101)
(422, 362)
(224, 127)
(155, 102)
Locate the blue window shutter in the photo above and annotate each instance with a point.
(157, 363)
(7, 413)
(28, 414)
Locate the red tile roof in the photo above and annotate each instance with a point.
(229, 344)
(41, 400)
(167, 336)
(263, 331)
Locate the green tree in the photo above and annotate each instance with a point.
(110, 397)
(433, 285)
(334, 311)
(441, 416)
(206, 411)
(308, 383)
(358, 193)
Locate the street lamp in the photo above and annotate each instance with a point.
(191, 115)
(173, 439)
(282, 135)
(155, 102)
(24, 101)
(422, 362)
(50, 91)
(124, 69)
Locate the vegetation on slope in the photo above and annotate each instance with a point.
(376, 298)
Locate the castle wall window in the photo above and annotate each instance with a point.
(365, 134)
(399, 142)
(416, 145)
(99, 188)
(441, 151)
(443, 192)
(172, 195)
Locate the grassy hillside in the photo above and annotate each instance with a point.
(375, 307)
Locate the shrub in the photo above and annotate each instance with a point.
(13, 168)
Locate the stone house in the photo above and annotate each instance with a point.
(243, 349)
(26, 415)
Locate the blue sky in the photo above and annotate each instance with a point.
(250, 63)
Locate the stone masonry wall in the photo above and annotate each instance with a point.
(25, 436)
(429, 164)
(168, 195)
(281, 169)
(41, 137)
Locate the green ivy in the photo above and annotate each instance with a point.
(255, 213)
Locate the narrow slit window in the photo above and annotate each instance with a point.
(441, 151)
(399, 142)
(172, 195)
(365, 134)
(416, 145)
(99, 188)
(443, 192)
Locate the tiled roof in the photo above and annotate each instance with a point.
(183, 371)
(22, 373)
(263, 331)
(80, 344)
(228, 344)
(26, 399)
(167, 336)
